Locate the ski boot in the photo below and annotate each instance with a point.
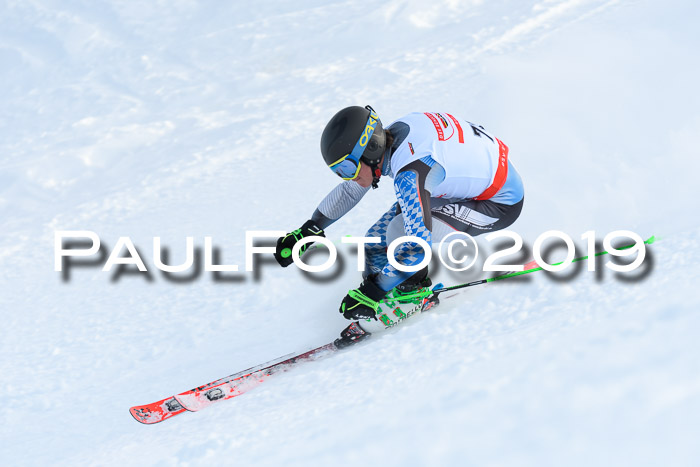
(401, 302)
(351, 335)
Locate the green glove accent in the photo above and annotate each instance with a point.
(363, 299)
(283, 250)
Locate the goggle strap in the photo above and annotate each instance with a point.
(355, 155)
(359, 148)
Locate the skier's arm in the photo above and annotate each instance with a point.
(334, 206)
(337, 203)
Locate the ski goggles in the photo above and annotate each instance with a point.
(348, 166)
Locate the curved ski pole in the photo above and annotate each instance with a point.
(435, 293)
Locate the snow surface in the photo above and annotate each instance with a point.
(187, 118)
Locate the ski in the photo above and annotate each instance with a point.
(243, 381)
(238, 383)
(224, 388)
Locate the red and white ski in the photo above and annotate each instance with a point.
(243, 381)
(224, 388)
(236, 384)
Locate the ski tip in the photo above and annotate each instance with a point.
(144, 416)
(157, 411)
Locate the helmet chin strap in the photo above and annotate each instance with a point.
(376, 175)
(377, 169)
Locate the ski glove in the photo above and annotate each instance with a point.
(283, 252)
(362, 302)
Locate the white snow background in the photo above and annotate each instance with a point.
(188, 118)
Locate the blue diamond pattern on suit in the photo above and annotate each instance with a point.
(406, 187)
(375, 253)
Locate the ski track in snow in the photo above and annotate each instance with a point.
(201, 118)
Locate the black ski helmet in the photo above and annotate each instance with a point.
(356, 134)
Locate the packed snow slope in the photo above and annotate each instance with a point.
(185, 118)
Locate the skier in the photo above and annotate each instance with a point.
(449, 175)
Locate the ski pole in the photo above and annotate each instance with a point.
(427, 293)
